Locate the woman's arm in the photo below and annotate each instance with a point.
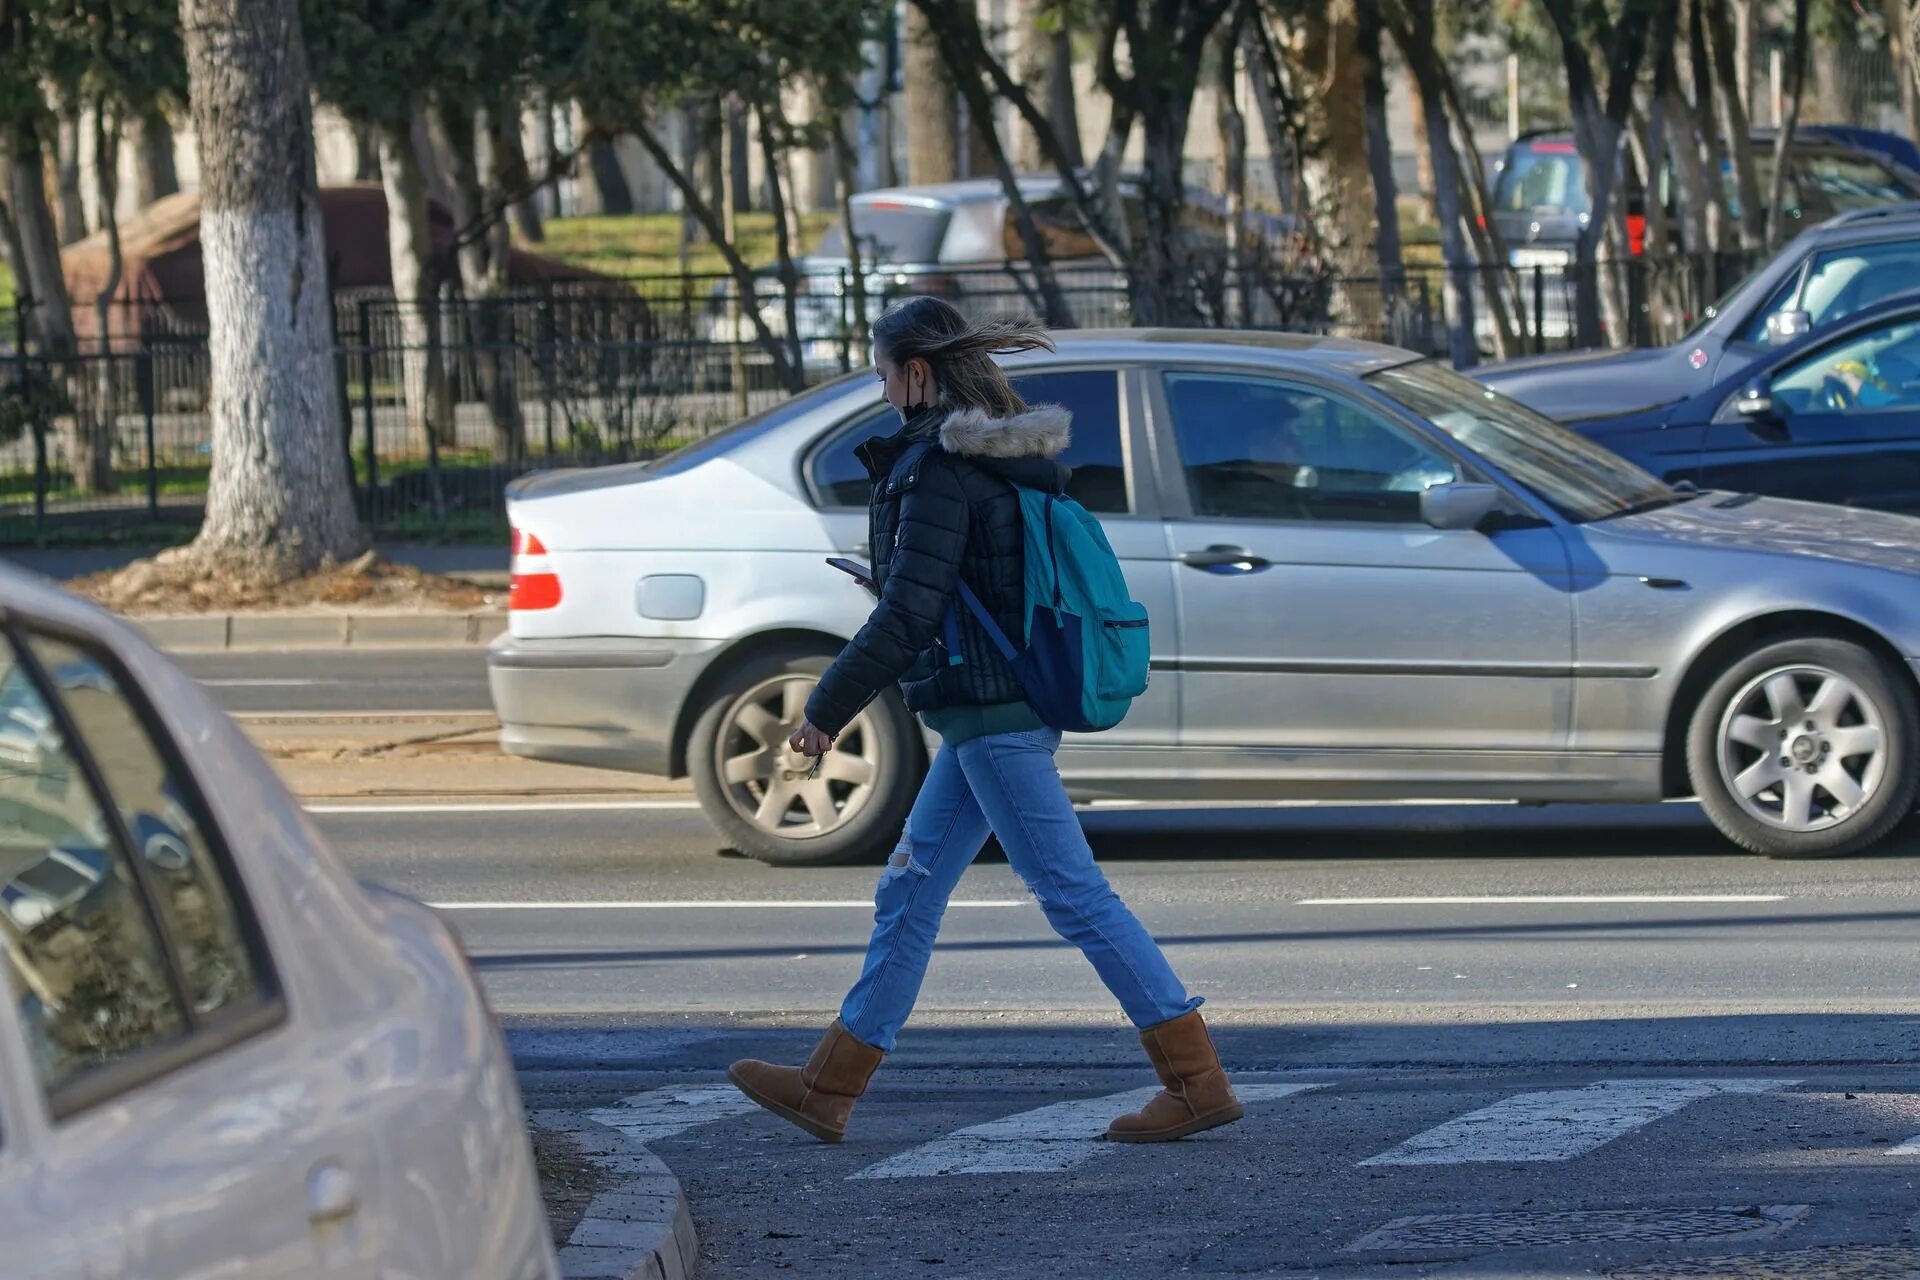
(921, 573)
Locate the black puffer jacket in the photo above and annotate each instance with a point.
(943, 509)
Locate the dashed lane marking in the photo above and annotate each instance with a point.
(1051, 1139)
(1559, 1124)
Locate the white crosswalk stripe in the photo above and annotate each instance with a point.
(1051, 1139)
(662, 1113)
(1559, 1124)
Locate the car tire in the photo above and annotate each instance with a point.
(1806, 748)
(744, 777)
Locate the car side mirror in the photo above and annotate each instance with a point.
(1458, 505)
(1784, 326)
(1754, 402)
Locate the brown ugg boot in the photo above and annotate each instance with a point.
(1197, 1095)
(818, 1097)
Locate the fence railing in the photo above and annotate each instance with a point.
(440, 409)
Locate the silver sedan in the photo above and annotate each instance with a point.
(1368, 578)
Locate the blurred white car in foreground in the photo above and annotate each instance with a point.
(219, 1056)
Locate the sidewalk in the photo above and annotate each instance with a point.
(448, 757)
(484, 565)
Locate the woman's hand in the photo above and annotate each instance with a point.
(810, 741)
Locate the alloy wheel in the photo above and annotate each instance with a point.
(765, 781)
(1802, 748)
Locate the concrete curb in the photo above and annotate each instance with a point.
(215, 631)
(640, 1230)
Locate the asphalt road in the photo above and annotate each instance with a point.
(382, 681)
(1667, 1060)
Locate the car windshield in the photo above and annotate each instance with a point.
(890, 232)
(1578, 478)
(1546, 176)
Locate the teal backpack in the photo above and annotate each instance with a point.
(1085, 656)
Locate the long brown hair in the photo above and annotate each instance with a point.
(959, 351)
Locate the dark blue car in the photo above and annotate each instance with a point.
(1822, 277)
(1831, 417)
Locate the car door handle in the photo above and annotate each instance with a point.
(1220, 558)
(332, 1195)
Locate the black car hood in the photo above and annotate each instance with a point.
(1597, 384)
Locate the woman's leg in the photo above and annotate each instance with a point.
(1016, 784)
(944, 834)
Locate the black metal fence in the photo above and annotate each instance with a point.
(439, 410)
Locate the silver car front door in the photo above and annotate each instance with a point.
(1329, 636)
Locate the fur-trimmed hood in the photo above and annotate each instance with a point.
(1043, 431)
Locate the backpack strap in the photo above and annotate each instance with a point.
(979, 611)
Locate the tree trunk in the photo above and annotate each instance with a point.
(1745, 34)
(1422, 155)
(1457, 290)
(1231, 125)
(49, 311)
(980, 126)
(1783, 141)
(1336, 163)
(1706, 126)
(416, 287)
(547, 199)
(772, 157)
(472, 144)
(278, 501)
(13, 250)
(1682, 147)
(1063, 110)
(73, 210)
(611, 192)
(711, 171)
(510, 158)
(1900, 38)
(90, 449)
(1386, 203)
(933, 117)
(1268, 107)
(1734, 124)
(857, 338)
(739, 155)
(154, 172)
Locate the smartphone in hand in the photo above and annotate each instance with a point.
(860, 573)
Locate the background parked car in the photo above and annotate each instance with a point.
(1831, 417)
(1368, 577)
(961, 241)
(1822, 276)
(1541, 203)
(218, 1054)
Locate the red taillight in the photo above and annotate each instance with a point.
(533, 591)
(532, 585)
(1480, 219)
(1636, 234)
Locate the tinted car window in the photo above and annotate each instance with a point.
(1843, 281)
(85, 968)
(1879, 369)
(1538, 179)
(1099, 480)
(199, 906)
(1263, 450)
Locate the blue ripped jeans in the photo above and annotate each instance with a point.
(1006, 783)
